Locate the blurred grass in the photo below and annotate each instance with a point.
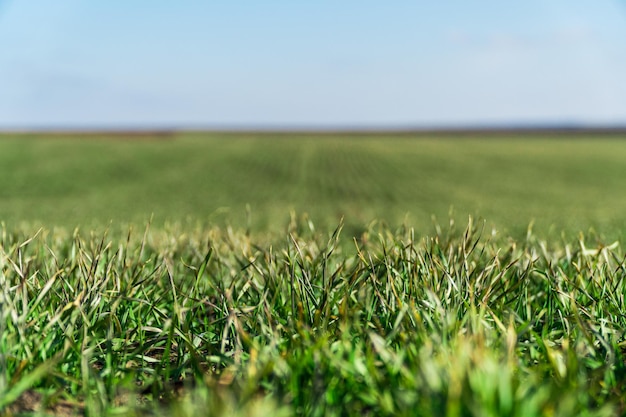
(197, 319)
(560, 183)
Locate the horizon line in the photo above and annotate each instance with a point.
(355, 129)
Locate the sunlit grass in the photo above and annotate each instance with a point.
(244, 298)
(214, 322)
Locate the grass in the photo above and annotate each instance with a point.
(227, 316)
(559, 183)
(209, 323)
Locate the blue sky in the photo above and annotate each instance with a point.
(271, 63)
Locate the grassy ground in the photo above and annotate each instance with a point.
(274, 316)
(210, 323)
(559, 184)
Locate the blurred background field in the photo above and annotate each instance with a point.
(255, 181)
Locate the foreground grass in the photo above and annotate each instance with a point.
(213, 322)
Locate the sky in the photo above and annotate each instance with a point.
(311, 64)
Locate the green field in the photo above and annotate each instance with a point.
(248, 295)
(559, 183)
